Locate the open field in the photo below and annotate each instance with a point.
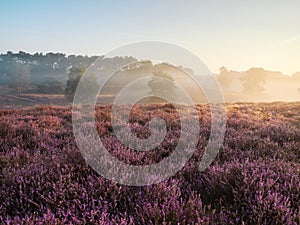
(12, 101)
(255, 178)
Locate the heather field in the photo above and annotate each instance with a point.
(255, 178)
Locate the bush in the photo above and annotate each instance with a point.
(51, 87)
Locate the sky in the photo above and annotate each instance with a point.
(237, 34)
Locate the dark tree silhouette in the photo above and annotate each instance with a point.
(74, 76)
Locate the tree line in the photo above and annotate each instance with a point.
(49, 72)
(56, 73)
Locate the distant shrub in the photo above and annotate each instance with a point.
(51, 87)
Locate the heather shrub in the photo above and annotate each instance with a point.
(255, 178)
(269, 192)
(6, 136)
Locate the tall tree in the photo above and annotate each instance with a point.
(224, 77)
(254, 80)
(162, 83)
(74, 76)
(19, 75)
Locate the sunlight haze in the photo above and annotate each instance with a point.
(235, 34)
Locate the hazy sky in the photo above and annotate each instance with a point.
(237, 34)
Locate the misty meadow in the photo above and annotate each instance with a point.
(150, 112)
(45, 179)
